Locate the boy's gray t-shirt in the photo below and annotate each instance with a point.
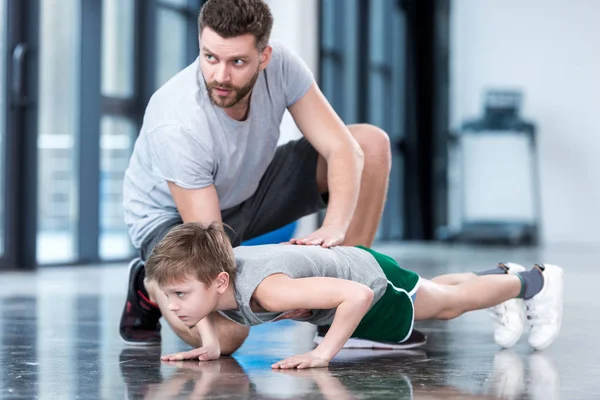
(188, 140)
(255, 263)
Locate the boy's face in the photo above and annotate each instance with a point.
(191, 300)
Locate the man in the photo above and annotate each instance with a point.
(207, 151)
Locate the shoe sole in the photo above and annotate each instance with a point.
(354, 343)
(123, 340)
(140, 344)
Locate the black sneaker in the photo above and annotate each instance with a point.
(139, 321)
(415, 339)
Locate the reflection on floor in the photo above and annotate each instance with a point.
(58, 340)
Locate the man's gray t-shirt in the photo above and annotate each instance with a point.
(255, 263)
(187, 140)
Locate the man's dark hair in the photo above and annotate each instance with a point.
(231, 18)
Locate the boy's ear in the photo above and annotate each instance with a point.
(222, 281)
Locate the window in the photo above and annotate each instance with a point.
(362, 76)
(87, 75)
(118, 48)
(385, 99)
(173, 27)
(339, 57)
(118, 124)
(117, 135)
(57, 132)
(3, 52)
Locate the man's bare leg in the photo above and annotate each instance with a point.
(231, 335)
(375, 145)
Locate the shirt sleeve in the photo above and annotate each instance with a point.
(297, 77)
(179, 157)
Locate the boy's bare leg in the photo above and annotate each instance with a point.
(441, 301)
(454, 279)
(231, 335)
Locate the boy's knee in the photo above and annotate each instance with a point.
(450, 313)
(455, 305)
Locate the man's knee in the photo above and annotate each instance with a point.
(232, 342)
(231, 335)
(375, 144)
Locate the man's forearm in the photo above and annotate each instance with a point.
(344, 171)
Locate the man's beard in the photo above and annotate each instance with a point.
(236, 95)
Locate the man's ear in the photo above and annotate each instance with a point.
(222, 282)
(265, 57)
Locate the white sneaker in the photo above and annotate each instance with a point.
(508, 375)
(545, 309)
(544, 379)
(509, 316)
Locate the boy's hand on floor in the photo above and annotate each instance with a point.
(306, 360)
(204, 353)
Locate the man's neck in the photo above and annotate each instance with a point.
(239, 112)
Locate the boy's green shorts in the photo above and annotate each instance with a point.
(391, 319)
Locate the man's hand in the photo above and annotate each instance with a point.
(326, 236)
(307, 360)
(204, 353)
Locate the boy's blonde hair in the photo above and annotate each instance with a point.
(191, 250)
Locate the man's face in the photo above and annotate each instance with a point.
(230, 67)
(191, 300)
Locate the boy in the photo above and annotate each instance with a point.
(359, 292)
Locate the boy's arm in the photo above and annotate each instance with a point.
(279, 292)
(210, 350)
(208, 335)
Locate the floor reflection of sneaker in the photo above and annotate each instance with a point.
(509, 317)
(544, 378)
(545, 309)
(139, 321)
(508, 375)
(415, 339)
(140, 369)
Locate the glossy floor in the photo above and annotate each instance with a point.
(58, 340)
